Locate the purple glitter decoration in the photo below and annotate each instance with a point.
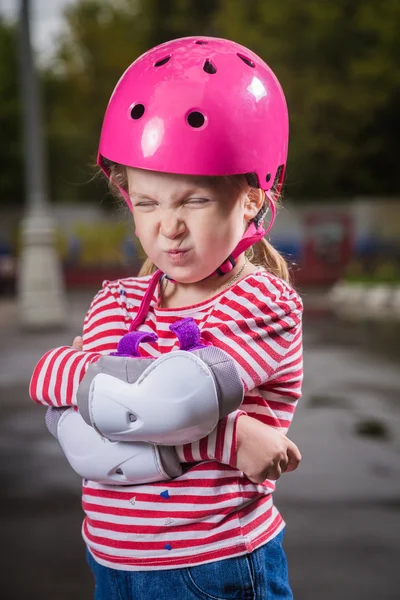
(188, 334)
(129, 344)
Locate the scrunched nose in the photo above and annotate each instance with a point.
(171, 226)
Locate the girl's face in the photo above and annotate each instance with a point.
(188, 225)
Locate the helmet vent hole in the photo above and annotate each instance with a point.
(162, 61)
(268, 177)
(246, 60)
(201, 42)
(196, 119)
(208, 67)
(137, 111)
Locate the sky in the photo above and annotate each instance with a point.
(46, 21)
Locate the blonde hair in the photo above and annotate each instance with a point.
(261, 254)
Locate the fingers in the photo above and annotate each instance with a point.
(275, 473)
(288, 462)
(294, 457)
(77, 344)
(293, 451)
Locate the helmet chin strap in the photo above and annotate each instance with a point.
(252, 235)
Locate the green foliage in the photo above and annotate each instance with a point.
(379, 270)
(337, 62)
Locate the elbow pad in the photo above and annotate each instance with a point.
(178, 398)
(112, 463)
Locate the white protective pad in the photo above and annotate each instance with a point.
(174, 401)
(113, 463)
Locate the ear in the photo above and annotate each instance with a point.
(253, 203)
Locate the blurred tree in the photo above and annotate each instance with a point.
(90, 60)
(11, 160)
(337, 61)
(338, 64)
(103, 38)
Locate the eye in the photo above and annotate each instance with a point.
(198, 201)
(145, 204)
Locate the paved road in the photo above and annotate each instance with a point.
(341, 506)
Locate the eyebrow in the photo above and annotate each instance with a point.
(141, 196)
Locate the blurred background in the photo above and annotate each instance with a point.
(339, 227)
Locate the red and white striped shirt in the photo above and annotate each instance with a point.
(212, 511)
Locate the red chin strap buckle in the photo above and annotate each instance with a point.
(227, 266)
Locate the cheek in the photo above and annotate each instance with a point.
(142, 223)
(144, 232)
(230, 222)
(218, 235)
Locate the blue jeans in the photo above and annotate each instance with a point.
(261, 575)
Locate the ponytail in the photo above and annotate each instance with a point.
(263, 254)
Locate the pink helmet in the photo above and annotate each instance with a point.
(199, 106)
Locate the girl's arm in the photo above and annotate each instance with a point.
(57, 375)
(258, 323)
(220, 444)
(263, 336)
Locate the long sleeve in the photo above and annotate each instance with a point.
(57, 375)
(258, 323)
(220, 444)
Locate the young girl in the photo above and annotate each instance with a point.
(178, 480)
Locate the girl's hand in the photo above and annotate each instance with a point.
(77, 344)
(264, 452)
